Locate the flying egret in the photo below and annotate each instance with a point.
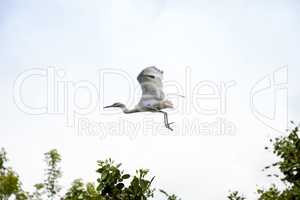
(153, 97)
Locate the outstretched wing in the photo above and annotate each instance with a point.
(150, 80)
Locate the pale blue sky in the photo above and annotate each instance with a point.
(238, 40)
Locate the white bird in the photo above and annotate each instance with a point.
(153, 97)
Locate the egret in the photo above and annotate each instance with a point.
(153, 98)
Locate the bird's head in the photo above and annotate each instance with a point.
(116, 105)
(167, 104)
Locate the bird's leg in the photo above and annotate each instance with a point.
(166, 121)
(167, 124)
(166, 118)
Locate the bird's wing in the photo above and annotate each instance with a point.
(150, 80)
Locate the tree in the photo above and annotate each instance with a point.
(10, 185)
(114, 184)
(111, 183)
(52, 173)
(79, 190)
(287, 149)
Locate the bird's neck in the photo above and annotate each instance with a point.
(128, 111)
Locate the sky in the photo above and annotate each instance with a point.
(236, 63)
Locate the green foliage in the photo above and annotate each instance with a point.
(39, 191)
(79, 191)
(10, 186)
(3, 160)
(21, 195)
(271, 194)
(169, 197)
(287, 148)
(53, 173)
(139, 187)
(235, 196)
(111, 184)
(114, 184)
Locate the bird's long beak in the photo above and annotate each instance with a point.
(108, 106)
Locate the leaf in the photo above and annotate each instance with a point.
(120, 186)
(126, 176)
